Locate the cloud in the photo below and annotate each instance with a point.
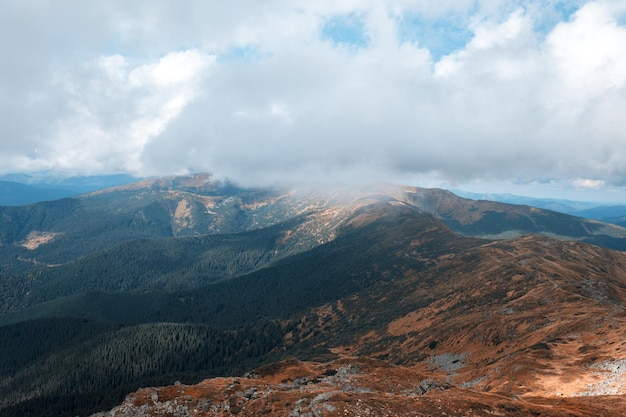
(587, 54)
(114, 110)
(292, 91)
(589, 183)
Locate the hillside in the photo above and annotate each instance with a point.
(521, 328)
(387, 287)
(58, 232)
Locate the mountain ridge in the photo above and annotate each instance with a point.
(379, 278)
(65, 230)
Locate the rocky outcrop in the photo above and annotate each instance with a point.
(348, 387)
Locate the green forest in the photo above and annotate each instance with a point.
(107, 329)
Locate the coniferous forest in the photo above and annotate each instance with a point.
(88, 345)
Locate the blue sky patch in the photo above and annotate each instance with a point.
(441, 36)
(347, 30)
(245, 53)
(566, 9)
(621, 19)
(562, 11)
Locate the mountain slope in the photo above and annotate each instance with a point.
(523, 317)
(224, 280)
(521, 328)
(158, 264)
(494, 220)
(361, 250)
(246, 315)
(62, 231)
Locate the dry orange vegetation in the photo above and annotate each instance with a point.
(348, 387)
(528, 327)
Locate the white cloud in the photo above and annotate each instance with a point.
(117, 110)
(589, 183)
(256, 91)
(588, 54)
(173, 69)
(503, 50)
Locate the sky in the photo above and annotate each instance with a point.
(520, 96)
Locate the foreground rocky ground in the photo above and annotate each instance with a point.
(349, 387)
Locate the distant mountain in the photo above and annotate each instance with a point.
(17, 194)
(76, 184)
(609, 214)
(554, 204)
(615, 214)
(356, 289)
(21, 189)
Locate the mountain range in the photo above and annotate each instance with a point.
(605, 212)
(22, 189)
(387, 300)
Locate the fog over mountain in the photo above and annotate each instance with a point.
(525, 95)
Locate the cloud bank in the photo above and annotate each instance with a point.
(269, 92)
